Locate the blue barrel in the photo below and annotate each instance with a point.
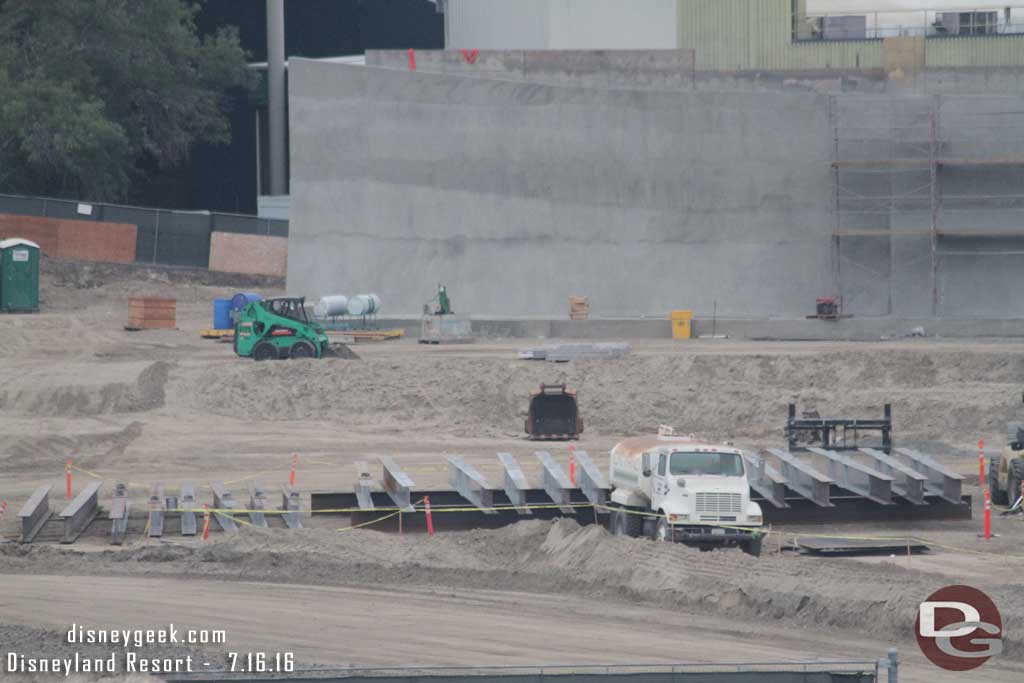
(222, 314)
(240, 300)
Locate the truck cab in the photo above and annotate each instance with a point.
(685, 490)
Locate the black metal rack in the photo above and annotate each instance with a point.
(833, 433)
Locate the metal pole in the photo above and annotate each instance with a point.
(156, 234)
(894, 665)
(837, 218)
(259, 152)
(933, 161)
(276, 95)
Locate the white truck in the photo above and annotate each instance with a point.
(673, 488)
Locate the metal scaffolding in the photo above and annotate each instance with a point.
(894, 162)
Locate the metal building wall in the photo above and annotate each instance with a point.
(754, 35)
(740, 34)
(966, 51)
(562, 24)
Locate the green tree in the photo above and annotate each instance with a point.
(94, 91)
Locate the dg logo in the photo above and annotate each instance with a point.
(959, 628)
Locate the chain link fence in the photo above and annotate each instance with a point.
(177, 238)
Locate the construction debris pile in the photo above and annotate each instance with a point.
(563, 353)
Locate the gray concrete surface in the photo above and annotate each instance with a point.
(802, 329)
(517, 194)
(678, 70)
(634, 69)
(629, 69)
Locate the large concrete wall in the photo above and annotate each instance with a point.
(679, 70)
(628, 69)
(519, 195)
(978, 196)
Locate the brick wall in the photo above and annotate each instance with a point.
(71, 239)
(255, 254)
(42, 231)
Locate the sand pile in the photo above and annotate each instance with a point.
(72, 285)
(31, 393)
(557, 557)
(25, 453)
(939, 396)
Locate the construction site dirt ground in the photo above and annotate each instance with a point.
(167, 406)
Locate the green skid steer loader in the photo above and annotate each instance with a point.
(279, 328)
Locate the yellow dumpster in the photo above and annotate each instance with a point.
(681, 324)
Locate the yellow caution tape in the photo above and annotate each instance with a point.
(230, 512)
(85, 471)
(248, 477)
(372, 521)
(235, 519)
(130, 484)
(433, 508)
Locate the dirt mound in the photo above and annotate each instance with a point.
(29, 395)
(71, 286)
(937, 395)
(557, 557)
(26, 452)
(92, 275)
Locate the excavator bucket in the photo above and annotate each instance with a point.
(554, 413)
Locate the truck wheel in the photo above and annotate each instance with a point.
(626, 523)
(753, 546)
(302, 350)
(264, 351)
(661, 531)
(998, 497)
(633, 523)
(617, 523)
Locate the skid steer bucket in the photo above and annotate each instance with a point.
(554, 413)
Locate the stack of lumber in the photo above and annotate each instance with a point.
(150, 313)
(374, 335)
(579, 308)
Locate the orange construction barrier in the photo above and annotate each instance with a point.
(988, 514)
(981, 463)
(430, 518)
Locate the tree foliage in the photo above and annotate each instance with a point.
(93, 91)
